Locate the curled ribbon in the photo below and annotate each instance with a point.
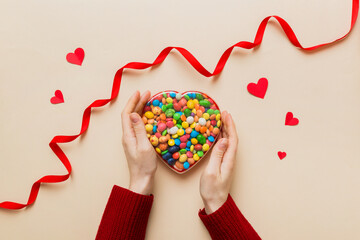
(160, 58)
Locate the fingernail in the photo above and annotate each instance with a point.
(223, 143)
(134, 117)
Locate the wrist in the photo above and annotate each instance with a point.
(143, 185)
(213, 204)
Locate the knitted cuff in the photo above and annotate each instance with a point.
(228, 223)
(125, 216)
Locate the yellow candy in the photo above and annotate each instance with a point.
(196, 101)
(149, 115)
(169, 100)
(194, 111)
(193, 125)
(149, 128)
(196, 157)
(180, 132)
(174, 121)
(183, 158)
(185, 124)
(205, 147)
(218, 123)
(218, 116)
(194, 141)
(174, 136)
(158, 150)
(192, 148)
(171, 142)
(148, 135)
(206, 116)
(190, 104)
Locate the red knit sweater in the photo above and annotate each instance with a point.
(126, 216)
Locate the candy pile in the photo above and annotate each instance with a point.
(181, 127)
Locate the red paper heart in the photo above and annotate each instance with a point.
(258, 89)
(290, 120)
(58, 98)
(281, 155)
(77, 57)
(182, 127)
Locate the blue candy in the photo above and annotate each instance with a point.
(154, 128)
(186, 165)
(177, 142)
(156, 102)
(211, 138)
(160, 105)
(188, 144)
(194, 134)
(172, 94)
(167, 156)
(173, 149)
(171, 161)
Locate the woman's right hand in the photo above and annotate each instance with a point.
(216, 179)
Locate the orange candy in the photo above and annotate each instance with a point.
(183, 118)
(191, 161)
(216, 131)
(203, 129)
(197, 127)
(179, 165)
(163, 146)
(163, 116)
(188, 130)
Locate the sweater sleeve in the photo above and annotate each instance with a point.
(125, 216)
(228, 223)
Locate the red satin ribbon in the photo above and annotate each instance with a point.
(160, 58)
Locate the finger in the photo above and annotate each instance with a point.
(228, 163)
(128, 132)
(143, 100)
(139, 129)
(217, 155)
(132, 102)
(223, 127)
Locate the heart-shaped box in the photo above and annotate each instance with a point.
(182, 127)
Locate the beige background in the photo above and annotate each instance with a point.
(312, 194)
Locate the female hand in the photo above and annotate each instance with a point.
(140, 155)
(216, 179)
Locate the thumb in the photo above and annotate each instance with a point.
(139, 128)
(217, 155)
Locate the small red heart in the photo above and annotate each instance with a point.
(281, 155)
(58, 98)
(290, 120)
(259, 89)
(77, 57)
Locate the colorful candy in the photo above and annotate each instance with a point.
(182, 127)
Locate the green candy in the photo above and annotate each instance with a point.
(216, 112)
(169, 112)
(199, 96)
(187, 97)
(183, 151)
(176, 116)
(163, 108)
(164, 95)
(200, 153)
(162, 153)
(201, 139)
(210, 111)
(179, 126)
(164, 132)
(170, 106)
(187, 111)
(204, 103)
